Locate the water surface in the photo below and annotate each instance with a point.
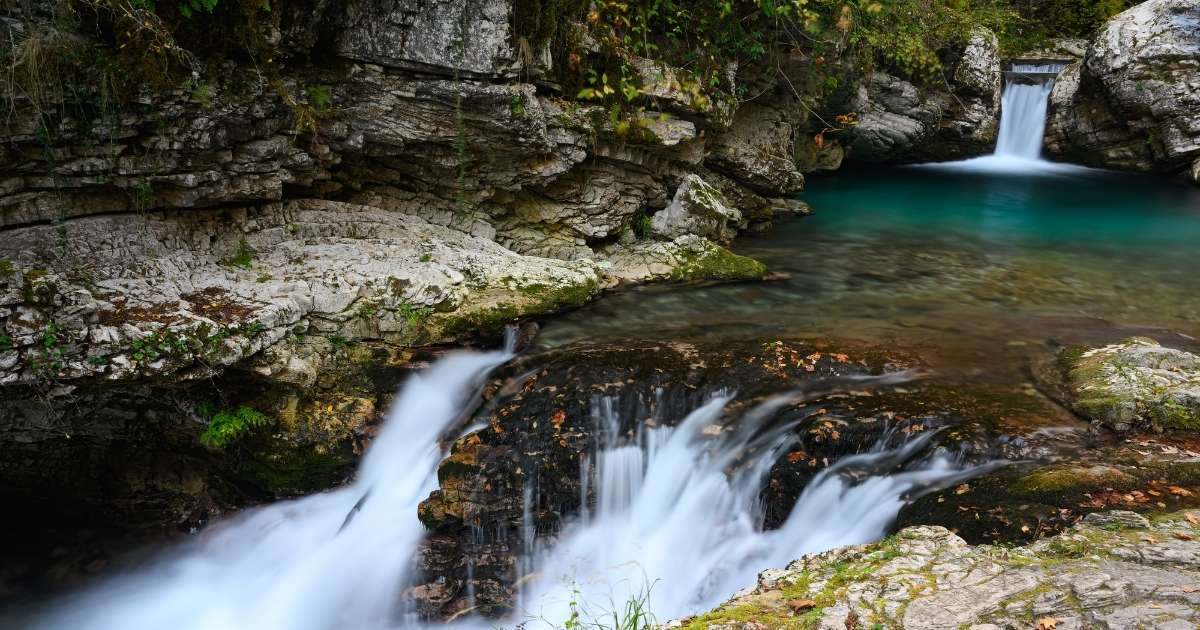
(971, 266)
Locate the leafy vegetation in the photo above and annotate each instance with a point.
(227, 425)
(243, 256)
(1041, 20)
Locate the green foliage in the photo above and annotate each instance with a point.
(1041, 20)
(188, 8)
(641, 225)
(143, 195)
(414, 315)
(5, 342)
(51, 356)
(633, 614)
(154, 346)
(319, 97)
(6, 268)
(228, 425)
(243, 256)
(706, 39)
(516, 105)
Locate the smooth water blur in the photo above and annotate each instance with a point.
(1023, 112)
(678, 518)
(331, 560)
(966, 266)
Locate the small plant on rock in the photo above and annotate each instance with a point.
(243, 256)
(228, 425)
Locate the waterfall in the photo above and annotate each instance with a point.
(1023, 109)
(678, 528)
(677, 525)
(302, 565)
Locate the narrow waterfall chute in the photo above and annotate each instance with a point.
(1023, 109)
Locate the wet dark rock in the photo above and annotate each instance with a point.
(518, 479)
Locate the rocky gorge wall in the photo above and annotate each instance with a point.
(245, 247)
(1132, 102)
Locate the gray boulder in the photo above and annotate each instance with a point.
(697, 208)
(1137, 101)
(1136, 383)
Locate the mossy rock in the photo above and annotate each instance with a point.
(1135, 384)
(716, 263)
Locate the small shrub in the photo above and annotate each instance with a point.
(319, 97)
(517, 106)
(143, 195)
(642, 225)
(242, 257)
(227, 425)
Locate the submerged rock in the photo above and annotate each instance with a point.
(1136, 383)
(1114, 570)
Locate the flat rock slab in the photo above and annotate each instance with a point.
(1113, 570)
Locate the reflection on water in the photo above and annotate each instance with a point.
(970, 266)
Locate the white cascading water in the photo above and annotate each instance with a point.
(1023, 111)
(301, 565)
(1022, 127)
(677, 515)
(677, 521)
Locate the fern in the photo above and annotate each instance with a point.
(227, 425)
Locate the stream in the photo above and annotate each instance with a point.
(980, 267)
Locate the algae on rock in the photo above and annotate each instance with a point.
(1135, 384)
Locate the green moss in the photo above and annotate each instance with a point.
(1170, 414)
(1055, 482)
(718, 263)
(298, 469)
(6, 268)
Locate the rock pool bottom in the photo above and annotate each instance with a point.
(978, 270)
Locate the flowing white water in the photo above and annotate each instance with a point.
(677, 514)
(292, 566)
(1022, 128)
(1023, 111)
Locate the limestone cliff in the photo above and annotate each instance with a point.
(1133, 102)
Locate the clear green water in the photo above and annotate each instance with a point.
(975, 271)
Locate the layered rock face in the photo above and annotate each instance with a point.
(397, 180)
(898, 122)
(1134, 100)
